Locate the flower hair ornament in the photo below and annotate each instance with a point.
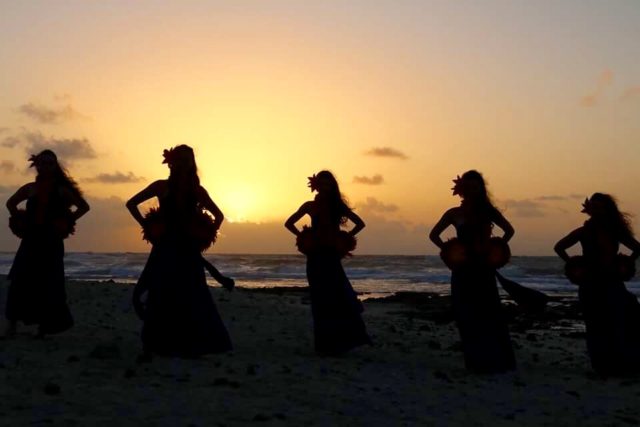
(169, 156)
(457, 185)
(313, 183)
(34, 158)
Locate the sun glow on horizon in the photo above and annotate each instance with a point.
(239, 203)
(269, 93)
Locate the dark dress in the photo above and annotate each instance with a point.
(477, 309)
(180, 317)
(36, 294)
(611, 312)
(336, 310)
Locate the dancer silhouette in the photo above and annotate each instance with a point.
(476, 303)
(180, 317)
(611, 312)
(336, 310)
(37, 290)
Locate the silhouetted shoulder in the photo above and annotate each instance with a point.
(202, 194)
(27, 189)
(159, 187)
(160, 183)
(308, 206)
(453, 211)
(452, 214)
(22, 194)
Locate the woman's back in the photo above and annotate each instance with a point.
(471, 229)
(324, 217)
(600, 244)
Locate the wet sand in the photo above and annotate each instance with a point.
(412, 375)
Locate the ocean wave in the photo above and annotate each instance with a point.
(368, 273)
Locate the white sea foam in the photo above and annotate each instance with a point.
(370, 274)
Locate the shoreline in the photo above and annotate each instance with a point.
(413, 374)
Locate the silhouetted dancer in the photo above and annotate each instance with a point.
(476, 303)
(611, 313)
(37, 290)
(180, 317)
(336, 310)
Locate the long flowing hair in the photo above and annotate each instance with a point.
(335, 202)
(61, 176)
(480, 202)
(610, 217)
(182, 163)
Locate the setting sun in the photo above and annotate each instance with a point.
(239, 203)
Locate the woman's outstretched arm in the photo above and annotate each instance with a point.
(290, 223)
(153, 190)
(440, 226)
(566, 242)
(357, 221)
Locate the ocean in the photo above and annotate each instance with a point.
(371, 275)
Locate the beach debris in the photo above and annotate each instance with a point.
(425, 328)
(222, 381)
(434, 345)
(286, 369)
(442, 376)
(261, 417)
(105, 352)
(253, 369)
(52, 389)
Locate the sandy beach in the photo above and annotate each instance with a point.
(412, 375)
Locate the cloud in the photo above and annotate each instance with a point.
(593, 98)
(11, 141)
(526, 208)
(373, 205)
(386, 152)
(537, 207)
(115, 178)
(108, 227)
(62, 97)
(605, 78)
(590, 100)
(631, 93)
(66, 148)
(380, 236)
(557, 198)
(7, 189)
(369, 180)
(48, 115)
(7, 167)
(74, 148)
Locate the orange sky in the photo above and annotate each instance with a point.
(543, 100)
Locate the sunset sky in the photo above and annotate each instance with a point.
(395, 97)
